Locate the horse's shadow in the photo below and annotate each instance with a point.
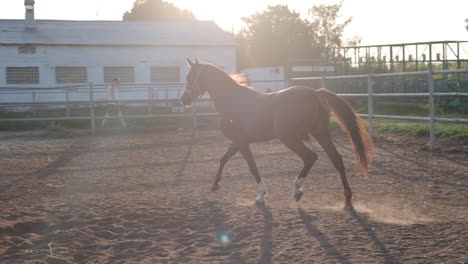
(78, 148)
(267, 241)
(322, 238)
(184, 162)
(366, 226)
(220, 221)
(333, 251)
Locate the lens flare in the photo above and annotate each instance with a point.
(224, 238)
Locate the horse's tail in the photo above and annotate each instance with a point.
(352, 124)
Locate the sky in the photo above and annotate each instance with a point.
(374, 21)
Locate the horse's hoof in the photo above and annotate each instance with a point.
(298, 195)
(215, 187)
(260, 202)
(348, 207)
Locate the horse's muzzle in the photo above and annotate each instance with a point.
(186, 99)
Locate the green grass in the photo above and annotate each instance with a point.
(396, 128)
(408, 109)
(453, 131)
(413, 109)
(416, 108)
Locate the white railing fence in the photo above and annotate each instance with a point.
(431, 94)
(91, 96)
(152, 95)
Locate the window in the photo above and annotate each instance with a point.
(26, 49)
(165, 74)
(71, 75)
(22, 75)
(125, 74)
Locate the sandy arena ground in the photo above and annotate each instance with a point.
(144, 198)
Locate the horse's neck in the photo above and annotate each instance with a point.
(228, 97)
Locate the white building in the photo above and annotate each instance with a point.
(50, 53)
(268, 79)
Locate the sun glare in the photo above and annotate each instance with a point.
(227, 14)
(376, 27)
(224, 238)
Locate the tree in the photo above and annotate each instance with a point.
(278, 35)
(269, 38)
(157, 10)
(326, 28)
(354, 41)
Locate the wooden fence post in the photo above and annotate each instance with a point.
(151, 105)
(430, 84)
(370, 104)
(91, 109)
(323, 82)
(68, 102)
(194, 119)
(167, 97)
(34, 108)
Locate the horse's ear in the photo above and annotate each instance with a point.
(190, 63)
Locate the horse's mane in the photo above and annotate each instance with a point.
(238, 78)
(241, 80)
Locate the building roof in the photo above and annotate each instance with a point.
(161, 33)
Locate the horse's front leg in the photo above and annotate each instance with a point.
(247, 154)
(232, 150)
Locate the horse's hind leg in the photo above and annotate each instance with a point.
(247, 154)
(324, 139)
(308, 157)
(232, 150)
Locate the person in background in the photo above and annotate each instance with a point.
(112, 104)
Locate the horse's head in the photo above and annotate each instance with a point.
(193, 89)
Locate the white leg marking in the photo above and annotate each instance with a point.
(262, 192)
(297, 189)
(298, 185)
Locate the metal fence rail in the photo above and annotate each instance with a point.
(371, 95)
(151, 90)
(87, 95)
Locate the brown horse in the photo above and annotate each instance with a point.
(289, 115)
